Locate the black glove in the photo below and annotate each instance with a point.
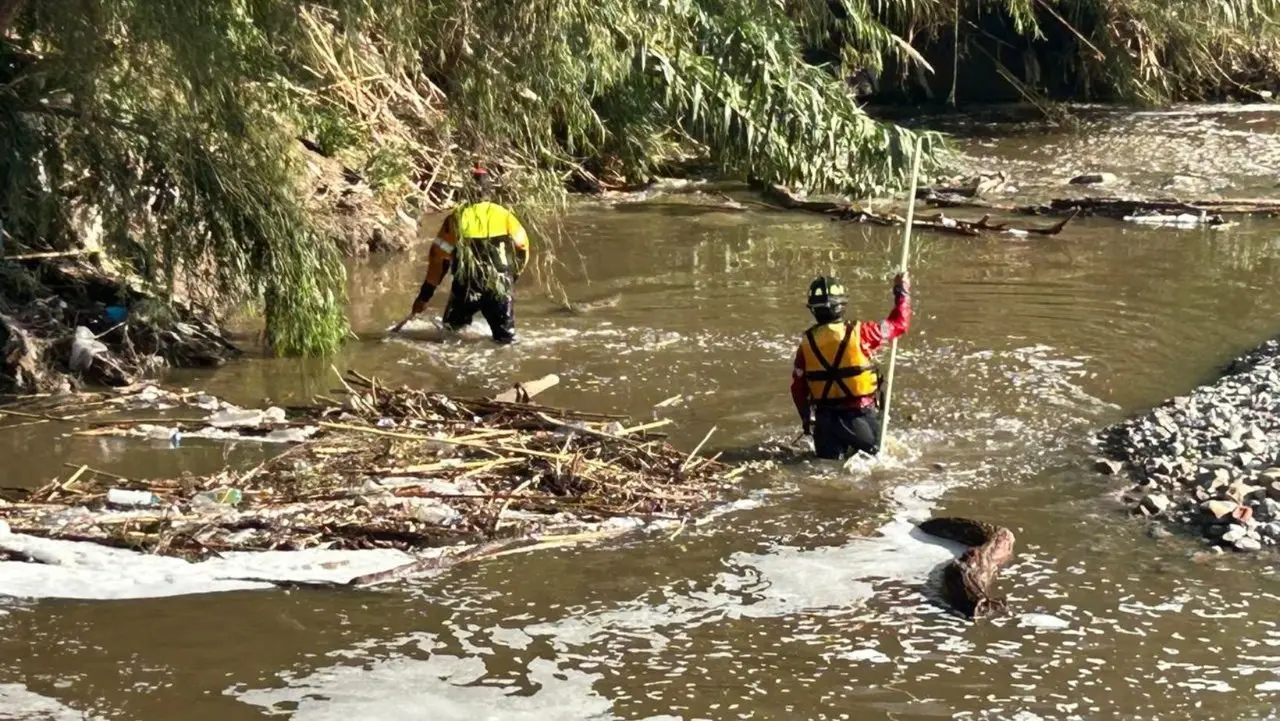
(808, 427)
(424, 297)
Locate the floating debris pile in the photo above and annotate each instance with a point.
(386, 468)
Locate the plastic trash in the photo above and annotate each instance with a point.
(231, 417)
(150, 395)
(160, 433)
(431, 511)
(116, 313)
(291, 435)
(224, 496)
(1182, 220)
(131, 499)
(68, 516)
(84, 349)
(385, 423)
(217, 500)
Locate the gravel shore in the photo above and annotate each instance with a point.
(1210, 460)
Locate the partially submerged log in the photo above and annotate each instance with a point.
(1120, 208)
(938, 222)
(967, 580)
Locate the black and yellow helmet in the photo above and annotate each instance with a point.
(826, 292)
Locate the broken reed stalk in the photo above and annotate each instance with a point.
(450, 441)
(697, 448)
(81, 469)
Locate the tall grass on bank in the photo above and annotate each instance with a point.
(175, 123)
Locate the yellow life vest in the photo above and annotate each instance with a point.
(490, 222)
(835, 367)
(483, 220)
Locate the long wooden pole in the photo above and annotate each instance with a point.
(902, 268)
(396, 328)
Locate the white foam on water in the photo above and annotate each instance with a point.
(869, 655)
(441, 688)
(19, 704)
(1042, 620)
(783, 581)
(840, 578)
(69, 569)
(1212, 109)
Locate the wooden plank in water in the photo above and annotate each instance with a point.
(527, 390)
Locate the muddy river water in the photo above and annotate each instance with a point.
(807, 602)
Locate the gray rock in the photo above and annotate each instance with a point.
(1247, 544)
(1107, 467)
(1218, 510)
(1270, 530)
(1234, 534)
(1214, 480)
(1229, 444)
(1093, 179)
(1266, 509)
(1155, 503)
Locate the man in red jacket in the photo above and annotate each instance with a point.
(834, 375)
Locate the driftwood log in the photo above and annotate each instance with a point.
(1120, 208)
(938, 223)
(1111, 207)
(967, 580)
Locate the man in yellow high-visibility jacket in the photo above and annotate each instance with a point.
(487, 249)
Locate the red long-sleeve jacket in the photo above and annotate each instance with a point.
(871, 335)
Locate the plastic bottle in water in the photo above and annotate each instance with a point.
(122, 497)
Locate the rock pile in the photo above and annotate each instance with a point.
(1211, 459)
